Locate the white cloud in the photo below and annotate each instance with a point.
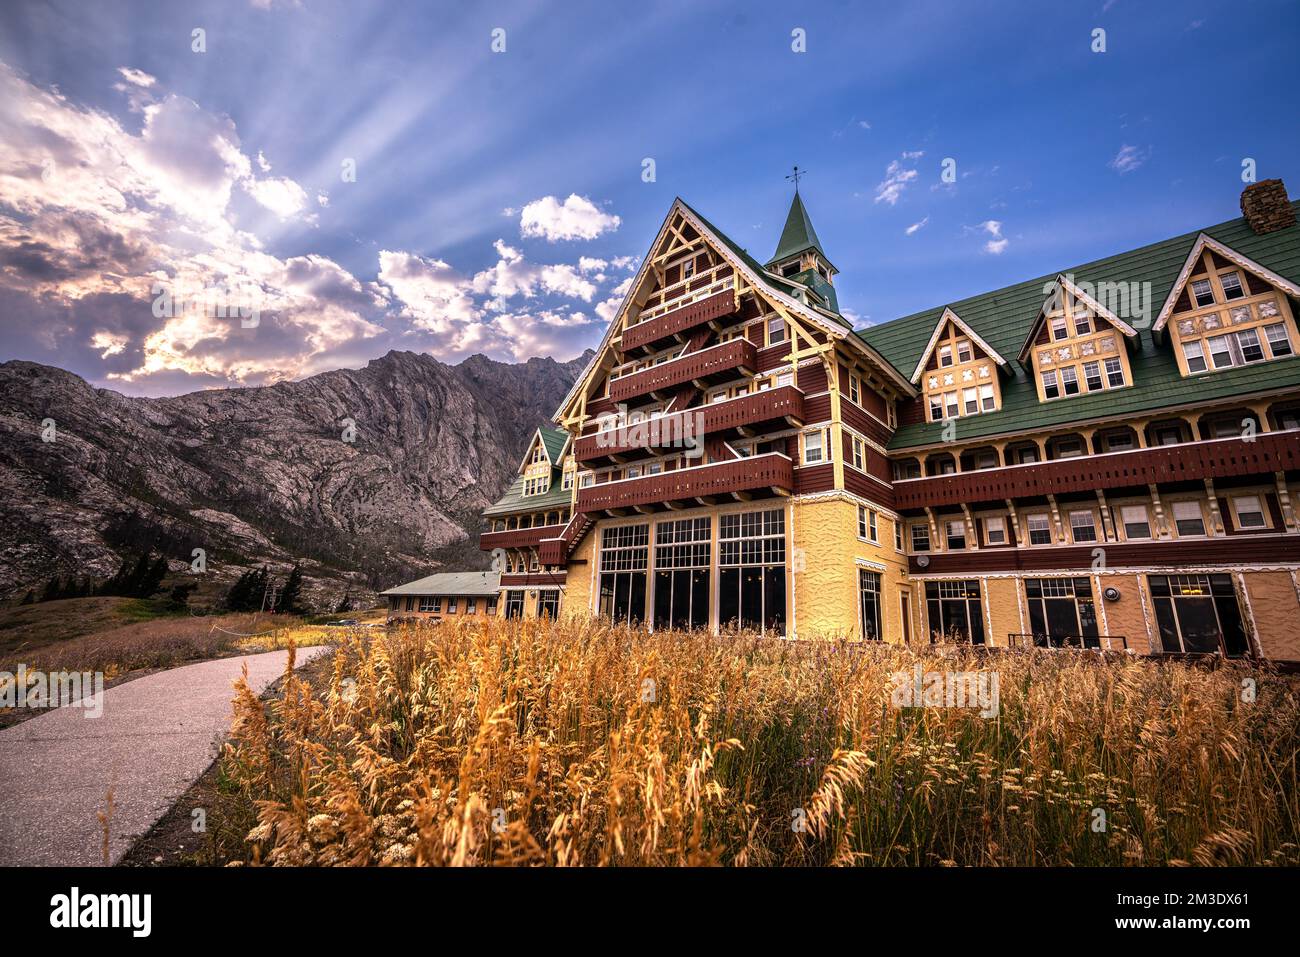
(897, 178)
(432, 294)
(917, 226)
(1129, 158)
(997, 245)
(136, 77)
(576, 218)
(281, 196)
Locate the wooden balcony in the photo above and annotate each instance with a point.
(752, 413)
(518, 537)
(772, 473)
(666, 322)
(726, 359)
(1269, 452)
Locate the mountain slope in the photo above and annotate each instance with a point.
(266, 473)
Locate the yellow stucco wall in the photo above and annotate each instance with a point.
(1276, 611)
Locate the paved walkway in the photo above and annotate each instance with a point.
(155, 737)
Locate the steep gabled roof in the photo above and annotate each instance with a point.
(553, 441)
(946, 317)
(780, 289)
(1063, 282)
(1003, 317)
(1245, 262)
(798, 235)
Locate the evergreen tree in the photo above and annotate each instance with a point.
(345, 604)
(153, 578)
(238, 596)
(290, 600)
(52, 588)
(178, 598)
(137, 578)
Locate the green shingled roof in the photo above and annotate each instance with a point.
(1003, 318)
(516, 501)
(554, 440)
(798, 234)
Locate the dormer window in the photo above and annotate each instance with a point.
(1202, 292)
(1231, 283)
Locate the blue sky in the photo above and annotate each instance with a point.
(498, 203)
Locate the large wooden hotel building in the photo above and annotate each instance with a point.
(1105, 456)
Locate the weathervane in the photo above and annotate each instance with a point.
(797, 175)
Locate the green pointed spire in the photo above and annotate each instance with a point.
(798, 234)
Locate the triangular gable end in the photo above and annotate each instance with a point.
(540, 439)
(947, 317)
(748, 269)
(1202, 243)
(1097, 308)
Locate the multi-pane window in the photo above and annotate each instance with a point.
(816, 446)
(1279, 343)
(920, 537)
(1062, 611)
(955, 611)
(1188, 518)
(451, 605)
(970, 401)
(1250, 514)
(775, 330)
(867, 523)
(869, 603)
(1231, 283)
(1198, 613)
(963, 350)
(1114, 373)
(624, 557)
(855, 390)
(1051, 388)
(1083, 527)
(428, 603)
(471, 606)
(514, 604)
(987, 401)
(945, 355)
(1070, 380)
(1202, 292)
(1040, 528)
(1082, 323)
(751, 570)
(1092, 375)
(682, 559)
(1137, 524)
(859, 453)
(898, 535)
(955, 534)
(548, 603)
(936, 407)
(1195, 356)
(1059, 329)
(995, 530)
(1248, 343)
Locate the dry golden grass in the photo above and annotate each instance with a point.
(530, 743)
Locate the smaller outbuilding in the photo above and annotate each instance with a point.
(445, 595)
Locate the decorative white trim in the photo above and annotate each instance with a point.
(833, 330)
(950, 316)
(1114, 320)
(1245, 262)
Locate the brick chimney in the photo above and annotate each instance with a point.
(1266, 206)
